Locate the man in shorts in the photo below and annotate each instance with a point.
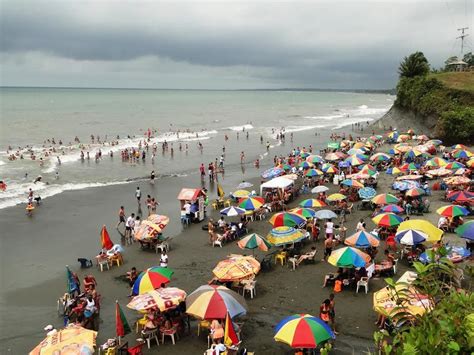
(138, 194)
(121, 216)
(129, 224)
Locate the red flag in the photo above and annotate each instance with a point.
(230, 336)
(121, 324)
(105, 239)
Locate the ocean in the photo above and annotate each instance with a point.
(32, 116)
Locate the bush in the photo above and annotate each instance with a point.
(457, 125)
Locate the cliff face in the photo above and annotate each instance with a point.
(430, 107)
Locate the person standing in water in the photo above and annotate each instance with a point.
(138, 194)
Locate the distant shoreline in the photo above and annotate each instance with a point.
(360, 91)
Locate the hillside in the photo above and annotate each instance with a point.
(456, 80)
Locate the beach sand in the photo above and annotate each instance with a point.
(35, 251)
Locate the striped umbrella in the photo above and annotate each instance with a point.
(454, 165)
(462, 154)
(253, 241)
(466, 230)
(387, 220)
(380, 157)
(284, 235)
(348, 257)
(470, 163)
(336, 197)
(314, 172)
(352, 183)
(305, 212)
(362, 239)
(368, 170)
(303, 331)
(288, 219)
(415, 192)
(384, 199)
(305, 165)
(151, 279)
(251, 203)
(411, 237)
(354, 160)
(329, 168)
(312, 203)
(315, 159)
(304, 154)
(452, 211)
(408, 167)
(436, 162)
(232, 211)
(213, 302)
(332, 157)
(460, 196)
(392, 208)
(394, 171)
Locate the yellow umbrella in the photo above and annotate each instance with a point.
(336, 197)
(241, 193)
(434, 234)
(236, 267)
(73, 339)
(403, 298)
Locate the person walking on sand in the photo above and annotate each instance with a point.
(242, 157)
(152, 177)
(121, 216)
(129, 224)
(138, 194)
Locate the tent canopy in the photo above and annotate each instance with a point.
(190, 194)
(280, 182)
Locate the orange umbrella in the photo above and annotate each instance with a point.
(105, 239)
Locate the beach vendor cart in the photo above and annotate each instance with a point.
(192, 204)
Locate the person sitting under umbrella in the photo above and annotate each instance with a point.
(217, 331)
(307, 256)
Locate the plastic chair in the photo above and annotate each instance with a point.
(102, 263)
(363, 282)
(148, 335)
(250, 287)
(204, 324)
(140, 323)
(185, 220)
(170, 333)
(292, 261)
(395, 263)
(281, 257)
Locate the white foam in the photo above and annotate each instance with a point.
(327, 117)
(245, 127)
(290, 129)
(17, 193)
(351, 121)
(2, 162)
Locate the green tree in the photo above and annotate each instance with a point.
(458, 125)
(468, 58)
(449, 61)
(415, 64)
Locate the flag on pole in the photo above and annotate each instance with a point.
(230, 336)
(72, 284)
(105, 239)
(121, 325)
(220, 191)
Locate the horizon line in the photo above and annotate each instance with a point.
(188, 89)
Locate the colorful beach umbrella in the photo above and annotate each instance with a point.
(305, 165)
(454, 165)
(313, 172)
(315, 159)
(470, 163)
(362, 239)
(151, 227)
(251, 203)
(462, 154)
(329, 168)
(384, 199)
(354, 160)
(236, 267)
(288, 219)
(392, 208)
(336, 197)
(352, 183)
(452, 211)
(214, 302)
(387, 220)
(305, 212)
(415, 192)
(380, 157)
(408, 167)
(232, 211)
(312, 203)
(325, 214)
(105, 240)
(162, 299)
(434, 234)
(230, 335)
(460, 196)
(394, 171)
(303, 331)
(332, 157)
(436, 162)
(284, 235)
(241, 194)
(368, 170)
(81, 340)
(411, 237)
(151, 279)
(254, 241)
(466, 230)
(348, 257)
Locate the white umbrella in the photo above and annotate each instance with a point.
(244, 185)
(325, 214)
(319, 189)
(232, 211)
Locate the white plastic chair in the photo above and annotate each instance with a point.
(250, 287)
(363, 282)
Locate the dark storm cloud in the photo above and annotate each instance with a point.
(296, 43)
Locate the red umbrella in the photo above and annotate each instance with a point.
(105, 239)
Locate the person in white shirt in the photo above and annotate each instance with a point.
(221, 223)
(187, 208)
(138, 194)
(360, 225)
(129, 224)
(163, 259)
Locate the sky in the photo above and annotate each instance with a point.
(223, 44)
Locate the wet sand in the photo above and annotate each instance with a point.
(35, 251)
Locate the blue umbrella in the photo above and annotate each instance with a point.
(325, 214)
(232, 211)
(366, 193)
(272, 172)
(410, 237)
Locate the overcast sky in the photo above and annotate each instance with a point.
(223, 44)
